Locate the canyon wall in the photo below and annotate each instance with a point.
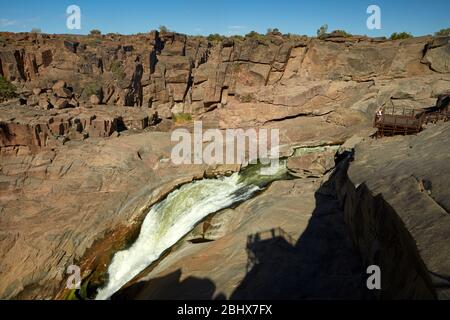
(233, 83)
(82, 153)
(395, 199)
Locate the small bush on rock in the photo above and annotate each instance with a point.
(443, 33)
(117, 70)
(163, 29)
(215, 37)
(400, 36)
(181, 117)
(246, 98)
(95, 32)
(7, 90)
(90, 89)
(253, 35)
(322, 31)
(341, 33)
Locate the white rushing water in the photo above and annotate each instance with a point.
(171, 219)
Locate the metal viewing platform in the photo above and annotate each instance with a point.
(403, 120)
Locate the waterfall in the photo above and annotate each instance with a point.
(171, 219)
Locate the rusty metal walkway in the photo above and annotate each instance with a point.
(403, 120)
(394, 121)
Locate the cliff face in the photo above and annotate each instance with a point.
(395, 198)
(230, 83)
(173, 73)
(168, 69)
(76, 165)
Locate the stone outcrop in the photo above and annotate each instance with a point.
(312, 162)
(438, 54)
(396, 202)
(44, 128)
(73, 196)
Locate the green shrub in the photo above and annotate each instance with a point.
(90, 89)
(181, 117)
(237, 38)
(94, 42)
(341, 33)
(7, 90)
(117, 69)
(293, 36)
(261, 38)
(253, 34)
(273, 31)
(246, 98)
(215, 37)
(36, 30)
(443, 33)
(322, 31)
(95, 32)
(400, 35)
(163, 29)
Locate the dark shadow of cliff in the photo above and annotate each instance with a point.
(440, 281)
(321, 264)
(5, 133)
(169, 287)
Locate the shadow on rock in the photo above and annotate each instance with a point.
(169, 288)
(5, 133)
(322, 264)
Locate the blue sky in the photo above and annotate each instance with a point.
(227, 16)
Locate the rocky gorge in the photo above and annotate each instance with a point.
(85, 149)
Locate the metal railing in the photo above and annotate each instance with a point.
(406, 120)
(399, 120)
(254, 239)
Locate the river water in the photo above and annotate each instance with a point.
(171, 219)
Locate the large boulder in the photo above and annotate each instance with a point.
(438, 55)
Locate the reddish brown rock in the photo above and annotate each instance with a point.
(60, 103)
(69, 176)
(37, 91)
(61, 84)
(94, 99)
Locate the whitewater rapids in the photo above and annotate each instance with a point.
(171, 219)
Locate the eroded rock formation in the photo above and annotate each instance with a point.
(82, 154)
(396, 202)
